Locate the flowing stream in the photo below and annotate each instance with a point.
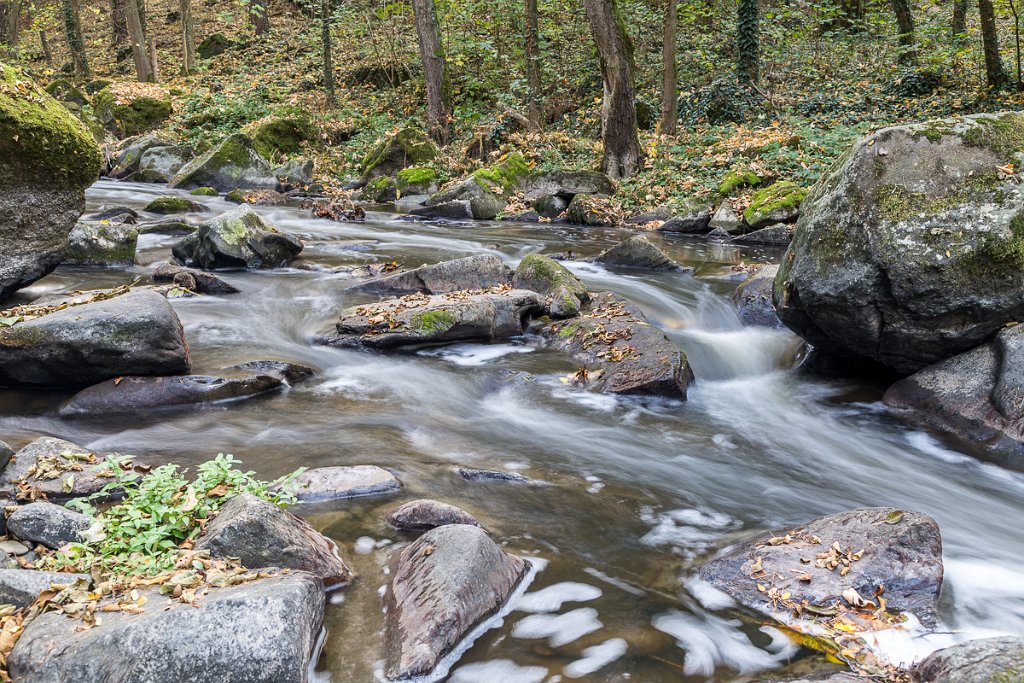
(643, 489)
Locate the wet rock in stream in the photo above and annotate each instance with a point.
(638, 252)
(334, 483)
(237, 239)
(563, 292)
(472, 272)
(195, 280)
(989, 660)
(428, 514)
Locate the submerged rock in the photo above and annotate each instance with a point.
(195, 280)
(57, 469)
(21, 587)
(333, 483)
(237, 239)
(265, 631)
(563, 292)
(475, 475)
(52, 525)
(167, 226)
(234, 163)
(472, 272)
(428, 514)
(990, 660)
(102, 244)
(753, 299)
(638, 252)
(442, 586)
(136, 333)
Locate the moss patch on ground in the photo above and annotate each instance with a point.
(132, 108)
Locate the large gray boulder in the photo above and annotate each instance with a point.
(47, 159)
(261, 534)
(989, 660)
(232, 164)
(52, 525)
(563, 292)
(911, 249)
(482, 203)
(442, 586)
(471, 272)
(567, 184)
(262, 631)
(137, 333)
(237, 239)
(56, 469)
(753, 298)
(21, 587)
(125, 160)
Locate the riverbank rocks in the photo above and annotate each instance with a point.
(160, 164)
(125, 160)
(274, 136)
(566, 185)
(443, 585)
(977, 395)
(725, 219)
(428, 514)
(620, 351)
(56, 469)
(174, 204)
(485, 192)
(127, 109)
(989, 660)
(416, 319)
(407, 147)
(638, 252)
(237, 239)
(21, 587)
(694, 217)
(912, 249)
(775, 235)
(102, 244)
(471, 272)
(777, 203)
(234, 163)
(753, 299)
(564, 293)
(869, 552)
(266, 631)
(261, 534)
(334, 483)
(136, 333)
(51, 525)
(592, 210)
(191, 279)
(47, 160)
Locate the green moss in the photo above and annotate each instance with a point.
(416, 176)
(407, 147)
(40, 137)
(996, 256)
(567, 331)
(780, 196)
(281, 135)
(934, 130)
(204, 192)
(380, 189)
(63, 90)
(505, 175)
(1002, 135)
(433, 322)
(142, 113)
(236, 196)
(896, 203)
(736, 179)
(172, 204)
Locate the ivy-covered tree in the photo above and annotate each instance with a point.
(669, 74)
(73, 32)
(905, 24)
(748, 42)
(995, 75)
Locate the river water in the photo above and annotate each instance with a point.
(643, 489)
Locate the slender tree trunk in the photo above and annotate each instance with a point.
(994, 73)
(45, 46)
(905, 23)
(748, 42)
(188, 39)
(533, 70)
(11, 26)
(154, 70)
(259, 17)
(668, 66)
(622, 154)
(959, 24)
(328, 60)
(138, 40)
(435, 69)
(73, 31)
(118, 22)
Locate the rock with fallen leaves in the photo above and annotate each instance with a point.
(563, 292)
(232, 164)
(335, 483)
(910, 250)
(417, 319)
(638, 252)
(21, 587)
(51, 525)
(594, 210)
(471, 272)
(619, 351)
(428, 514)
(240, 238)
(261, 534)
(753, 299)
(95, 243)
(55, 469)
(566, 184)
(77, 340)
(442, 586)
(989, 660)
(259, 631)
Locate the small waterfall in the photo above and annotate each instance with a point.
(746, 352)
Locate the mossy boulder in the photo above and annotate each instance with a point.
(416, 180)
(564, 293)
(911, 249)
(204, 192)
(63, 90)
(85, 115)
(213, 45)
(504, 177)
(234, 163)
(94, 243)
(237, 239)
(47, 159)
(128, 153)
(281, 135)
(407, 147)
(566, 184)
(592, 210)
(127, 109)
(777, 203)
(737, 179)
(380, 190)
(174, 204)
(483, 195)
(160, 164)
(638, 252)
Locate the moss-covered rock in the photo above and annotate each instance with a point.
(160, 164)
(85, 115)
(564, 293)
(737, 179)
(407, 147)
(213, 45)
(281, 135)
(234, 163)
(174, 204)
(777, 203)
(127, 109)
(416, 180)
(504, 177)
(63, 90)
(380, 190)
(94, 243)
(236, 196)
(204, 192)
(47, 159)
(593, 210)
(237, 239)
(93, 87)
(128, 154)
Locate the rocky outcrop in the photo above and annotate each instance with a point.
(234, 163)
(442, 586)
(56, 469)
(472, 272)
(261, 534)
(564, 293)
(136, 333)
(428, 514)
(912, 249)
(265, 631)
(237, 239)
(51, 525)
(753, 298)
(102, 244)
(127, 109)
(990, 660)
(47, 159)
(638, 252)
(334, 483)
(407, 147)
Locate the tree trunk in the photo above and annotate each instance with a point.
(622, 155)
(258, 16)
(138, 40)
(533, 72)
(959, 24)
(328, 60)
(994, 73)
(905, 23)
(11, 26)
(45, 46)
(668, 73)
(188, 39)
(73, 31)
(154, 71)
(118, 22)
(435, 69)
(748, 43)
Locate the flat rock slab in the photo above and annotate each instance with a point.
(333, 483)
(137, 333)
(990, 660)
(52, 525)
(443, 585)
(416, 319)
(472, 272)
(428, 514)
(261, 534)
(67, 470)
(263, 631)
(622, 352)
(21, 587)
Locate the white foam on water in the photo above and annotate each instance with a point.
(596, 657)
(604, 403)
(692, 531)
(503, 670)
(710, 641)
(707, 595)
(551, 598)
(559, 629)
(469, 355)
(364, 545)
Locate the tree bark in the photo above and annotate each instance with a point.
(188, 39)
(905, 23)
(328, 60)
(535, 111)
(45, 46)
(73, 32)
(959, 24)
(11, 25)
(748, 42)
(994, 73)
(118, 22)
(435, 69)
(622, 154)
(259, 17)
(154, 70)
(138, 40)
(668, 65)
